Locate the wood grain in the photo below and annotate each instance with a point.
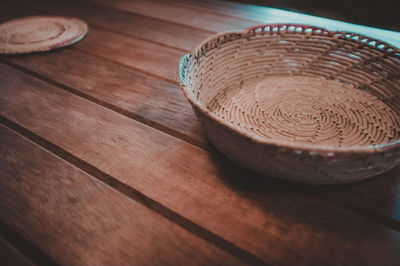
(149, 57)
(149, 100)
(139, 26)
(31, 252)
(192, 17)
(376, 199)
(78, 220)
(146, 99)
(268, 15)
(10, 256)
(276, 221)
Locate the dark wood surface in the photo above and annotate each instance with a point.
(11, 256)
(102, 160)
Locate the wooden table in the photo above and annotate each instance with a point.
(102, 161)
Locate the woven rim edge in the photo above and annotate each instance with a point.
(186, 60)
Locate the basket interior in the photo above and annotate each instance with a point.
(299, 87)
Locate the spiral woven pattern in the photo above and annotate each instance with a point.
(40, 33)
(299, 102)
(304, 109)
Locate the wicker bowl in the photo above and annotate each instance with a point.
(298, 102)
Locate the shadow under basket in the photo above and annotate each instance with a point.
(298, 102)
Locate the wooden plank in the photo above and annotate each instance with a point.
(78, 220)
(146, 99)
(268, 15)
(10, 256)
(162, 32)
(154, 59)
(17, 242)
(276, 221)
(162, 106)
(151, 101)
(378, 197)
(367, 201)
(192, 17)
(146, 56)
(246, 15)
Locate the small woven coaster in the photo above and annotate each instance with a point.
(40, 33)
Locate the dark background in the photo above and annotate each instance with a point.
(380, 14)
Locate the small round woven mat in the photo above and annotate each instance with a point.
(40, 33)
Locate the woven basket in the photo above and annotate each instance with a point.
(40, 33)
(298, 102)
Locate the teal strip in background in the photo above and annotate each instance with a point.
(267, 15)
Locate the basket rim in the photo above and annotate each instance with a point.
(313, 149)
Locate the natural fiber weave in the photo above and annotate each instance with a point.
(299, 102)
(40, 33)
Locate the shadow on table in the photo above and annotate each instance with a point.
(377, 197)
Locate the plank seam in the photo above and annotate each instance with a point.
(155, 18)
(94, 25)
(139, 38)
(136, 195)
(147, 73)
(378, 219)
(383, 220)
(27, 249)
(141, 119)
